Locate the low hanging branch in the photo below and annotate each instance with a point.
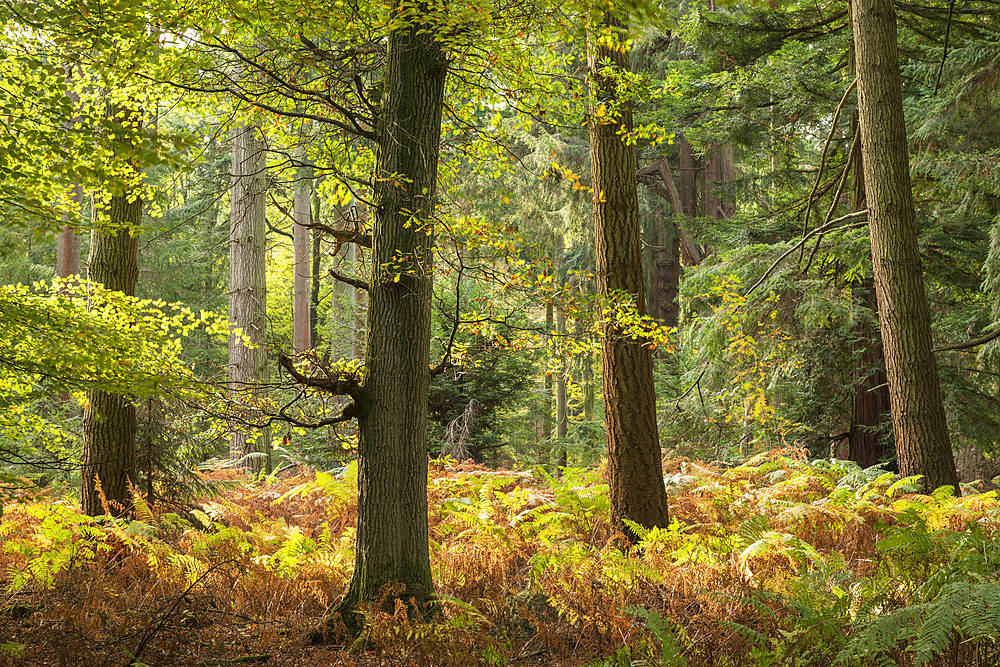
(822, 229)
(969, 344)
(822, 161)
(340, 384)
(339, 235)
(353, 282)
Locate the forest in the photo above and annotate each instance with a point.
(500, 332)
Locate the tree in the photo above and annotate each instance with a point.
(392, 555)
(248, 290)
(109, 419)
(301, 307)
(919, 424)
(68, 243)
(635, 475)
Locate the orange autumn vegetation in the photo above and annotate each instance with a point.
(778, 561)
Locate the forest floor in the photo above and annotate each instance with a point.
(781, 560)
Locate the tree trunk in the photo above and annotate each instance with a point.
(68, 243)
(918, 417)
(688, 166)
(392, 541)
(109, 420)
(719, 168)
(562, 411)
(635, 474)
(301, 308)
(665, 283)
(358, 296)
(317, 256)
(248, 293)
(870, 404)
(549, 386)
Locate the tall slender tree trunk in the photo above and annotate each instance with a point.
(248, 293)
(548, 381)
(109, 420)
(68, 242)
(392, 541)
(302, 265)
(562, 396)
(918, 418)
(666, 274)
(317, 256)
(635, 474)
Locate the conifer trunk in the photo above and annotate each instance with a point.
(688, 167)
(870, 403)
(666, 274)
(918, 418)
(392, 541)
(317, 257)
(302, 263)
(109, 420)
(248, 292)
(562, 402)
(548, 380)
(635, 473)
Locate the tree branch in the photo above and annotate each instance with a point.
(353, 282)
(828, 227)
(975, 342)
(339, 384)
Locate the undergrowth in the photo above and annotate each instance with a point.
(780, 561)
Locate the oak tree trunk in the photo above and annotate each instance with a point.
(918, 418)
(392, 541)
(109, 420)
(248, 294)
(635, 473)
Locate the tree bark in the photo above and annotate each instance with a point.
(317, 256)
(635, 474)
(248, 293)
(109, 420)
(548, 380)
(688, 166)
(301, 306)
(562, 411)
(68, 242)
(358, 297)
(392, 541)
(665, 283)
(870, 404)
(918, 418)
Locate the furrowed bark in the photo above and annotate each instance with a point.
(918, 418)
(634, 470)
